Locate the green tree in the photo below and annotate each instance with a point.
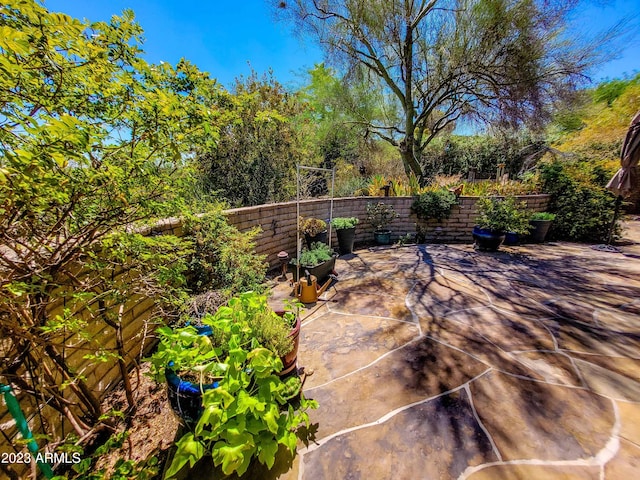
(93, 140)
(253, 159)
(440, 60)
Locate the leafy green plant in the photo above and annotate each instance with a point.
(434, 204)
(380, 215)
(312, 226)
(342, 223)
(319, 253)
(94, 142)
(583, 206)
(527, 186)
(503, 215)
(123, 469)
(224, 258)
(247, 415)
(546, 216)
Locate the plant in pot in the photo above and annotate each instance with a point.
(436, 204)
(380, 215)
(346, 232)
(540, 223)
(314, 230)
(497, 216)
(320, 261)
(233, 361)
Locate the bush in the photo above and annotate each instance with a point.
(503, 215)
(224, 257)
(434, 204)
(543, 216)
(380, 215)
(583, 207)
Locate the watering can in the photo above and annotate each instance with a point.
(307, 290)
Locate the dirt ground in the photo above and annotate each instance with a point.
(153, 428)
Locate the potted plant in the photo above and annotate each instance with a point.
(380, 215)
(314, 230)
(436, 204)
(346, 232)
(320, 261)
(233, 362)
(497, 216)
(540, 223)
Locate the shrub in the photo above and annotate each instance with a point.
(224, 257)
(503, 215)
(584, 209)
(380, 214)
(545, 216)
(434, 204)
(342, 223)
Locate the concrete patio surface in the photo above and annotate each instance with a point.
(441, 362)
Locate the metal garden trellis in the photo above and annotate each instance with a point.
(298, 240)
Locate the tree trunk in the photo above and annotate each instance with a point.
(408, 155)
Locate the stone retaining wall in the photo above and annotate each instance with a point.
(278, 220)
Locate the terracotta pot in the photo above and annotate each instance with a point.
(290, 360)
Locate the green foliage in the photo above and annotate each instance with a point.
(224, 258)
(501, 63)
(311, 226)
(503, 215)
(380, 215)
(528, 186)
(456, 154)
(544, 216)
(122, 470)
(582, 204)
(604, 116)
(93, 141)
(434, 204)
(253, 159)
(332, 125)
(341, 223)
(319, 253)
(247, 416)
(609, 91)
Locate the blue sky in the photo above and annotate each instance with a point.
(221, 36)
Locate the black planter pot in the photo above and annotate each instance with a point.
(185, 397)
(320, 237)
(382, 237)
(486, 239)
(539, 230)
(321, 272)
(346, 237)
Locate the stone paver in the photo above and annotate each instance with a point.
(440, 362)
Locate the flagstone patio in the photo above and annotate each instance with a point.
(440, 362)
